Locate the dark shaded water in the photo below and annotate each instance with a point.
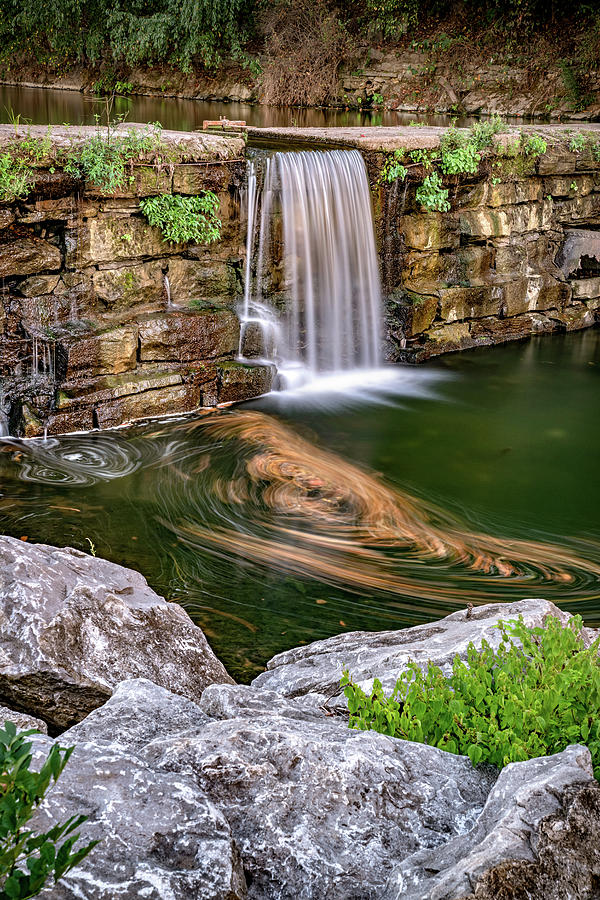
(57, 107)
(300, 516)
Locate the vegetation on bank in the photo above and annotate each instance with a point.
(296, 46)
(538, 692)
(462, 152)
(184, 219)
(30, 860)
(106, 160)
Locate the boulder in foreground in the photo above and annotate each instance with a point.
(73, 626)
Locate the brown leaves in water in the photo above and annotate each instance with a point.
(338, 523)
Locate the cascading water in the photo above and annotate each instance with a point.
(319, 203)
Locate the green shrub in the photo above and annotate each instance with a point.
(482, 133)
(533, 696)
(534, 145)
(104, 158)
(183, 219)
(16, 178)
(577, 143)
(392, 167)
(459, 157)
(424, 158)
(432, 195)
(29, 860)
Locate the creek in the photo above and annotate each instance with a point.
(249, 517)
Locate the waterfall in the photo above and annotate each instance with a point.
(167, 286)
(319, 204)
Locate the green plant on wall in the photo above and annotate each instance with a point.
(534, 145)
(432, 194)
(106, 158)
(16, 178)
(28, 859)
(184, 219)
(392, 168)
(538, 692)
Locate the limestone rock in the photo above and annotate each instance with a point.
(163, 401)
(579, 242)
(22, 720)
(138, 712)
(129, 286)
(459, 303)
(430, 231)
(534, 838)
(160, 836)
(208, 278)
(111, 352)
(28, 256)
(497, 331)
(189, 336)
(318, 666)
(111, 238)
(319, 810)
(38, 285)
(447, 338)
(586, 288)
(74, 626)
(240, 381)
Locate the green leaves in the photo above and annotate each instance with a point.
(16, 178)
(29, 860)
(392, 168)
(533, 696)
(105, 159)
(432, 195)
(183, 219)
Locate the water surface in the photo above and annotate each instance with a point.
(48, 106)
(340, 507)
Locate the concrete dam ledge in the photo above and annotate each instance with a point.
(103, 321)
(409, 137)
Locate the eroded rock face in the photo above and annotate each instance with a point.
(74, 626)
(316, 810)
(536, 837)
(160, 836)
(367, 655)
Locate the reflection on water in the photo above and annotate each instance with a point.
(57, 107)
(285, 521)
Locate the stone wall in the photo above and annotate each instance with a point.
(101, 321)
(517, 254)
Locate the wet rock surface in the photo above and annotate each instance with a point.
(74, 626)
(91, 291)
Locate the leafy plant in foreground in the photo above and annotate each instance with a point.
(28, 860)
(182, 219)
(104, 158)
(533, 696)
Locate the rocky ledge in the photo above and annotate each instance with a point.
(219, 791)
